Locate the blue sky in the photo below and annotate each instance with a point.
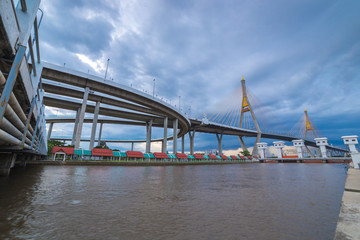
(293, 54)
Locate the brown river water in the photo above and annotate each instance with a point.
(236, 201)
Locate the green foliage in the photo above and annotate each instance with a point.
(53, 143)
(102, 147)
(245, 153)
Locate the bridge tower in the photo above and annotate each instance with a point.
(308, 126)
(246, 107)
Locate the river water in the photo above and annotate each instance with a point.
(236, 201)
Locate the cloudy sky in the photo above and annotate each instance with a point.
(293, 54)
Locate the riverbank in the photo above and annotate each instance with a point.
(133, 163)
(348, 225)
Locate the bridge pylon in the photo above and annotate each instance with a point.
(308, 126)
(246, 107)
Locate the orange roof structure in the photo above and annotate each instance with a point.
(101, 152)
(160, 155)
(135, 154)
(67, 150)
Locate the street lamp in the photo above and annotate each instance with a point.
(107, 65)
(154, 88)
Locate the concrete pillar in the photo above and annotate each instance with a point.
(242, 143)
(100, 131)
(183, 144)
(164, 143)
(175, 128)
(81, 117)
(148, 136)
(219, 138)
(50, 130)
(7, 161)
(322, 143)
(351, 141)
(192, 137)
(279, 145)
(75, 126)
(262, 147)
(299, 144)
(93, 129)
(132, 146)
(255, 149)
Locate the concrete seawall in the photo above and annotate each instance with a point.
(348, 225)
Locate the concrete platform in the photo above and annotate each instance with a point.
(348, 225)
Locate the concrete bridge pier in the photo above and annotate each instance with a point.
(192, 137)
(50, 130)
(132, 146)
(242, 144)
(93, 129)
(75, 126)
(81, 117)
(299, 144)
(351, 141)
(175, 128)
(164, 142)
(7, 161)
(100, 132)
(148, 136)
(279, 146)
(183, 144)
(322, 143)
(219, 138)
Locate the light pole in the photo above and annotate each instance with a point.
(179, 102)
(154, 88)
(107, 65)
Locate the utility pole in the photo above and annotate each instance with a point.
(154, 88)
(107, 65)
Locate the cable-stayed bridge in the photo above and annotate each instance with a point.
(28, 85)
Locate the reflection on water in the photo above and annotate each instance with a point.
(244, 201)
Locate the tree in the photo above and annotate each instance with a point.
(245, 153)
(53, 143)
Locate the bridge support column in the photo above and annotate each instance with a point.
(100, 131)
(262, 148)
(148, 136)
(93, 129)
(219, 138)
(175, 128)
(192, 137)
(7, 161)
(164, 142)
(322, 143)
(132, 146)
(279, 145)
(183, 144)
(50, 130)
(75, 126)
(299, 144)
(255, 149)
(351, 141)
(81, 118)
(242, 143)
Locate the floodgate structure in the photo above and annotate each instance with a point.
(28, 84)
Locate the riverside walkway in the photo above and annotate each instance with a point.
(348, 225)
